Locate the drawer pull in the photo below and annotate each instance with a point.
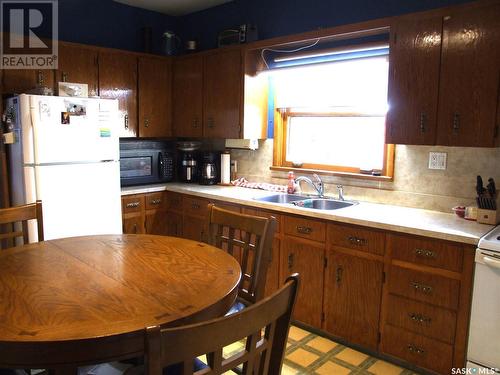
(196, 206)
(357, 241)
(338, 275)
(304, 230)
(419, 318)
(290, 262)
(155, 201)
(415, 349)
(425, 253)
(132, 204)
(421, 287)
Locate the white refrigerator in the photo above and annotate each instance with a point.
(66, 154)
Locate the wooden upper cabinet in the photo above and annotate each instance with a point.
(222, 94)
(20, 81)
(187, 86)
(415, 54)
(155, 102)
(118, 80)
(78, 64)
(470, 69)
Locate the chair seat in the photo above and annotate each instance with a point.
(237, 307)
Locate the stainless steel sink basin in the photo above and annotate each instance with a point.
(281, 198)
(330, 204)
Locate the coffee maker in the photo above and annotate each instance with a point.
(209, 172)
(188, 166)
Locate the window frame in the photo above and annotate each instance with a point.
(281, 116)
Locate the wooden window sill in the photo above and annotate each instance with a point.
(333, 173)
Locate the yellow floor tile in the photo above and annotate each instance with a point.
(233, 349)
(322, 344)
(330, 368)
(351, 356)
(302, 357)
(384, 368)
(297, 334)
(287, 370)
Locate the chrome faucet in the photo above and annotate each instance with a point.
(340, 190)
(317, 184)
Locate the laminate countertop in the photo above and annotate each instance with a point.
(374, 215)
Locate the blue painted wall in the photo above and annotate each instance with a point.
(109, 24)
(283, 17)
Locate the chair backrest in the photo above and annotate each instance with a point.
(14, 224)
(252, 238)
(263, 352)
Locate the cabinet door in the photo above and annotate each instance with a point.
(222, 94)
(353, 290)
(118, 80)
(468, 92)
(414, 80)
(156, 222)
(193, 228)
(78, 65)
(155, 107)
(174, 224)
(308, 260)
(187, 89)
(273, 281)
(19, 81)
(133, 224)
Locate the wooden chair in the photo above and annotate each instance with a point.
(251, 237)
(179, 347)
(14, 223)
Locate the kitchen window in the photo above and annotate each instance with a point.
(331, 116)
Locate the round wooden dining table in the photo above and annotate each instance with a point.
(85, 300)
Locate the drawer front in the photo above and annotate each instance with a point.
(250, 211)
(428, 252)
(422, 351)
(132, 203)
(420, 318)
(226, 206)
(425, 287)
(156, 201)
(305, 228)
(195, 206)
(174, 201)
(356, 238)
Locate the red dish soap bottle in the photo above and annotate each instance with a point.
(291, 183)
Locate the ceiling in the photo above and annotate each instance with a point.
(174, 7)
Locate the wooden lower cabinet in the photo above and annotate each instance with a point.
(157, 222)
(193, 228)
(133, 224)
(145, 213)
(308, 259)
(174, 224)
(353, 292)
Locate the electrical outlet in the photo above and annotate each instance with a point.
(437, 160)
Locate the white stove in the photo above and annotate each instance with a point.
(484, 332)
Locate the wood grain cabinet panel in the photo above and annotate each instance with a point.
(194, 206)
(414, 61)
(133, 203)
(174, 224)
(78, 64)
(356, 238)
(222, 94)
(118, 80)
(155, 101)
(424, 287)
(133, 224)
(20, 81)
(156, 201)
(156, 222)
(194, 228)
(187, 87)
(469, 85)
(416, 349)
(434, 253)
(174, 202)
(353, 291)
(305, 228)
(308, 260)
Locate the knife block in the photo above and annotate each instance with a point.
(491, 217)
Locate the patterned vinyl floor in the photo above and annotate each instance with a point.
(308, 353)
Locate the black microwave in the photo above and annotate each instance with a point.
(145, 162)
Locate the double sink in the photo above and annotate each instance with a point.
(307, 202)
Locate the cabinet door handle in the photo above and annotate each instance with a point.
(196, 206)
(195, 123)
(65, 77)
(338, 275)
(155, 201)
(357, 241)
(425, 253)
(456, 122)
(290, 261)
(132, 204)
(146, 123)
(39, 78)
(415, 349)
(423, 121)
(304, 230)
(125, 121)
(419, 318)
(426, 289)
(211, 123)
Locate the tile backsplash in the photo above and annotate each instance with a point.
(414, 185)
